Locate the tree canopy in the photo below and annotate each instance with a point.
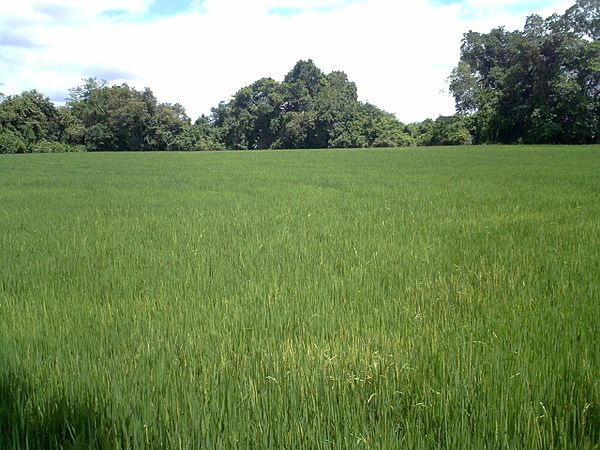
(538, 85)
(309, 109)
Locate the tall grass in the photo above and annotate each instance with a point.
(421, 298)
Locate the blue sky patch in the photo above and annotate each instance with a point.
(162, 8)
(158, 8)
(289, 11)
(444, 2)
(516, 7)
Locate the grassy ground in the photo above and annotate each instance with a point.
(419, 298)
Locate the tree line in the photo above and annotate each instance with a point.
(538, 85)
(309, 109)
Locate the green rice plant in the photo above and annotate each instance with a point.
(414, 298)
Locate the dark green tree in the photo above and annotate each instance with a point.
(166, 128)
(122, 118)
(203, 135)
(309, 109)
(11, 142)
(538, 85)
(28, 118)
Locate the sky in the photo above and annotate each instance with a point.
(200, 52)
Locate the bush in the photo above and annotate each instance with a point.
(11, 142)
(208, 143)
(393, 140)
(45, 146)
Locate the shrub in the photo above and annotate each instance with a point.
(45, 146)
(11, 142)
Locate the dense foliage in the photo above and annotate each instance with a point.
(309, 109)
(98, 117)
(122, 118)
(539, 85)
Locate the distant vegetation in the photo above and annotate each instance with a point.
(539, 85)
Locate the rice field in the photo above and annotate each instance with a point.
(352, 299)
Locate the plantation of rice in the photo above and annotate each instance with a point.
(335, 299)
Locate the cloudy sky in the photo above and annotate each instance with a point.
(198, 52)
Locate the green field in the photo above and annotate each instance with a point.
(416, 298)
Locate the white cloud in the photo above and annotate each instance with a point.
(398, 54)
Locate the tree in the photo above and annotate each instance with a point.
(309, 109)
(335, 113)
(166, 128)
(387, 131)
(584, 18)
(11, 142)
(305, 79)
(122, 118)
(71, 128)
(203, 136)
(539, 85)
(250, 120)
(29, 118)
